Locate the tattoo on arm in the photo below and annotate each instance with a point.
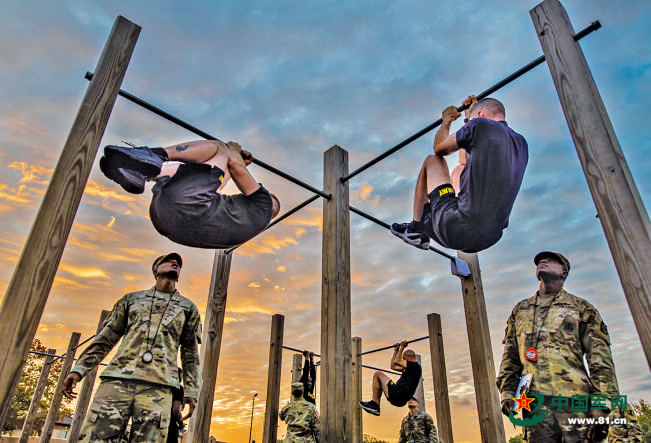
(181, 148)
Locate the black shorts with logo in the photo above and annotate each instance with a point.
(447, 226)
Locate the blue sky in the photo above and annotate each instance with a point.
(289, 79)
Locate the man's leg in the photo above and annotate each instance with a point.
(152, 413)
(380, 385)
(433, 173)
(109, 412)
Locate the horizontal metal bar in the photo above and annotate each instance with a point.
(56, 357)
(391, 346)
(279, 219)
(166, 115)
(593, 27)
(382, 370)
(85, 341)
(297, 350)
(386, 225)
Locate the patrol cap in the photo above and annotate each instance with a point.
(555, 255)
(163, 258)
(297, 386)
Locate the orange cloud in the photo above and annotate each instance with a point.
(23, 127)
(32, 173)
(83, 272)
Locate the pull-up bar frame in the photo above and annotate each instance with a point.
(166, 115)
(425, 337)
(593, 27)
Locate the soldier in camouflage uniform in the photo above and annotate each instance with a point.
(137, 384)
(629, 432)
(301, 418)
(417, 426)
(548, 336)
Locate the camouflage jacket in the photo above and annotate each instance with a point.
(302, 421)
(418, 428)
(629, 432)
(129, 320)
(572, 328)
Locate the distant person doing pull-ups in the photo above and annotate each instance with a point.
(401, 391)
(187, 206)
(495, 159)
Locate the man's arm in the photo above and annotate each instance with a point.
(431, 429)
(237, 168)
(444, 142)
(511, 367)
(403, 437)
(397, 362)
(111, 332)
(596, 346)
(190, 336)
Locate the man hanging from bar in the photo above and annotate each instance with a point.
(496, 158)
(308, 377)
(398, 393)
(187, 204)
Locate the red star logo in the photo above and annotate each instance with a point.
(524, 402)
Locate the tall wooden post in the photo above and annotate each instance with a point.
(211, 342)
(36, 398)
(336, 359)
(48, 427)
(358, 434)
(297, 365)
(31, 281)
(621, 211)
(273, 379)
(85, 392)
(440, 377)
(420, 389)
(491, 425)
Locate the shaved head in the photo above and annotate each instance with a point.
(492, 108)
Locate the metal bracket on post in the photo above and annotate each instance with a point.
(459, 267)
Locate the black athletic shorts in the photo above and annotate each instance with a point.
(447, 226)
(398, 396)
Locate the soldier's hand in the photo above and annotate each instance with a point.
(449, 115)
(192, 403)
(597, 431)
(471, 101)
(404, 343)
(247, 157)
(69, 384)
(507, 405)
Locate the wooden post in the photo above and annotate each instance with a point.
(358, 434)
(440, 377)
(273, 380)
(297, 365)
(31, 281)
(85, 392)
(48, 427)
(211, 342)
(491, 425)
(36, 398)
(420, 390)
(336, 359)
(619, 206)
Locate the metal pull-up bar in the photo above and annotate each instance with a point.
(158, 111)
(297, 350)
(458, 267)
(425, 337)
(593, 27)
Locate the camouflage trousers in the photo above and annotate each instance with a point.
(118, 400)
(555, 428)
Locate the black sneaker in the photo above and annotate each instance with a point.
(131, 181)
(370, 406)
(140, 159)
(410, 236)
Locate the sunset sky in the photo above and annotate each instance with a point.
(288, 79)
